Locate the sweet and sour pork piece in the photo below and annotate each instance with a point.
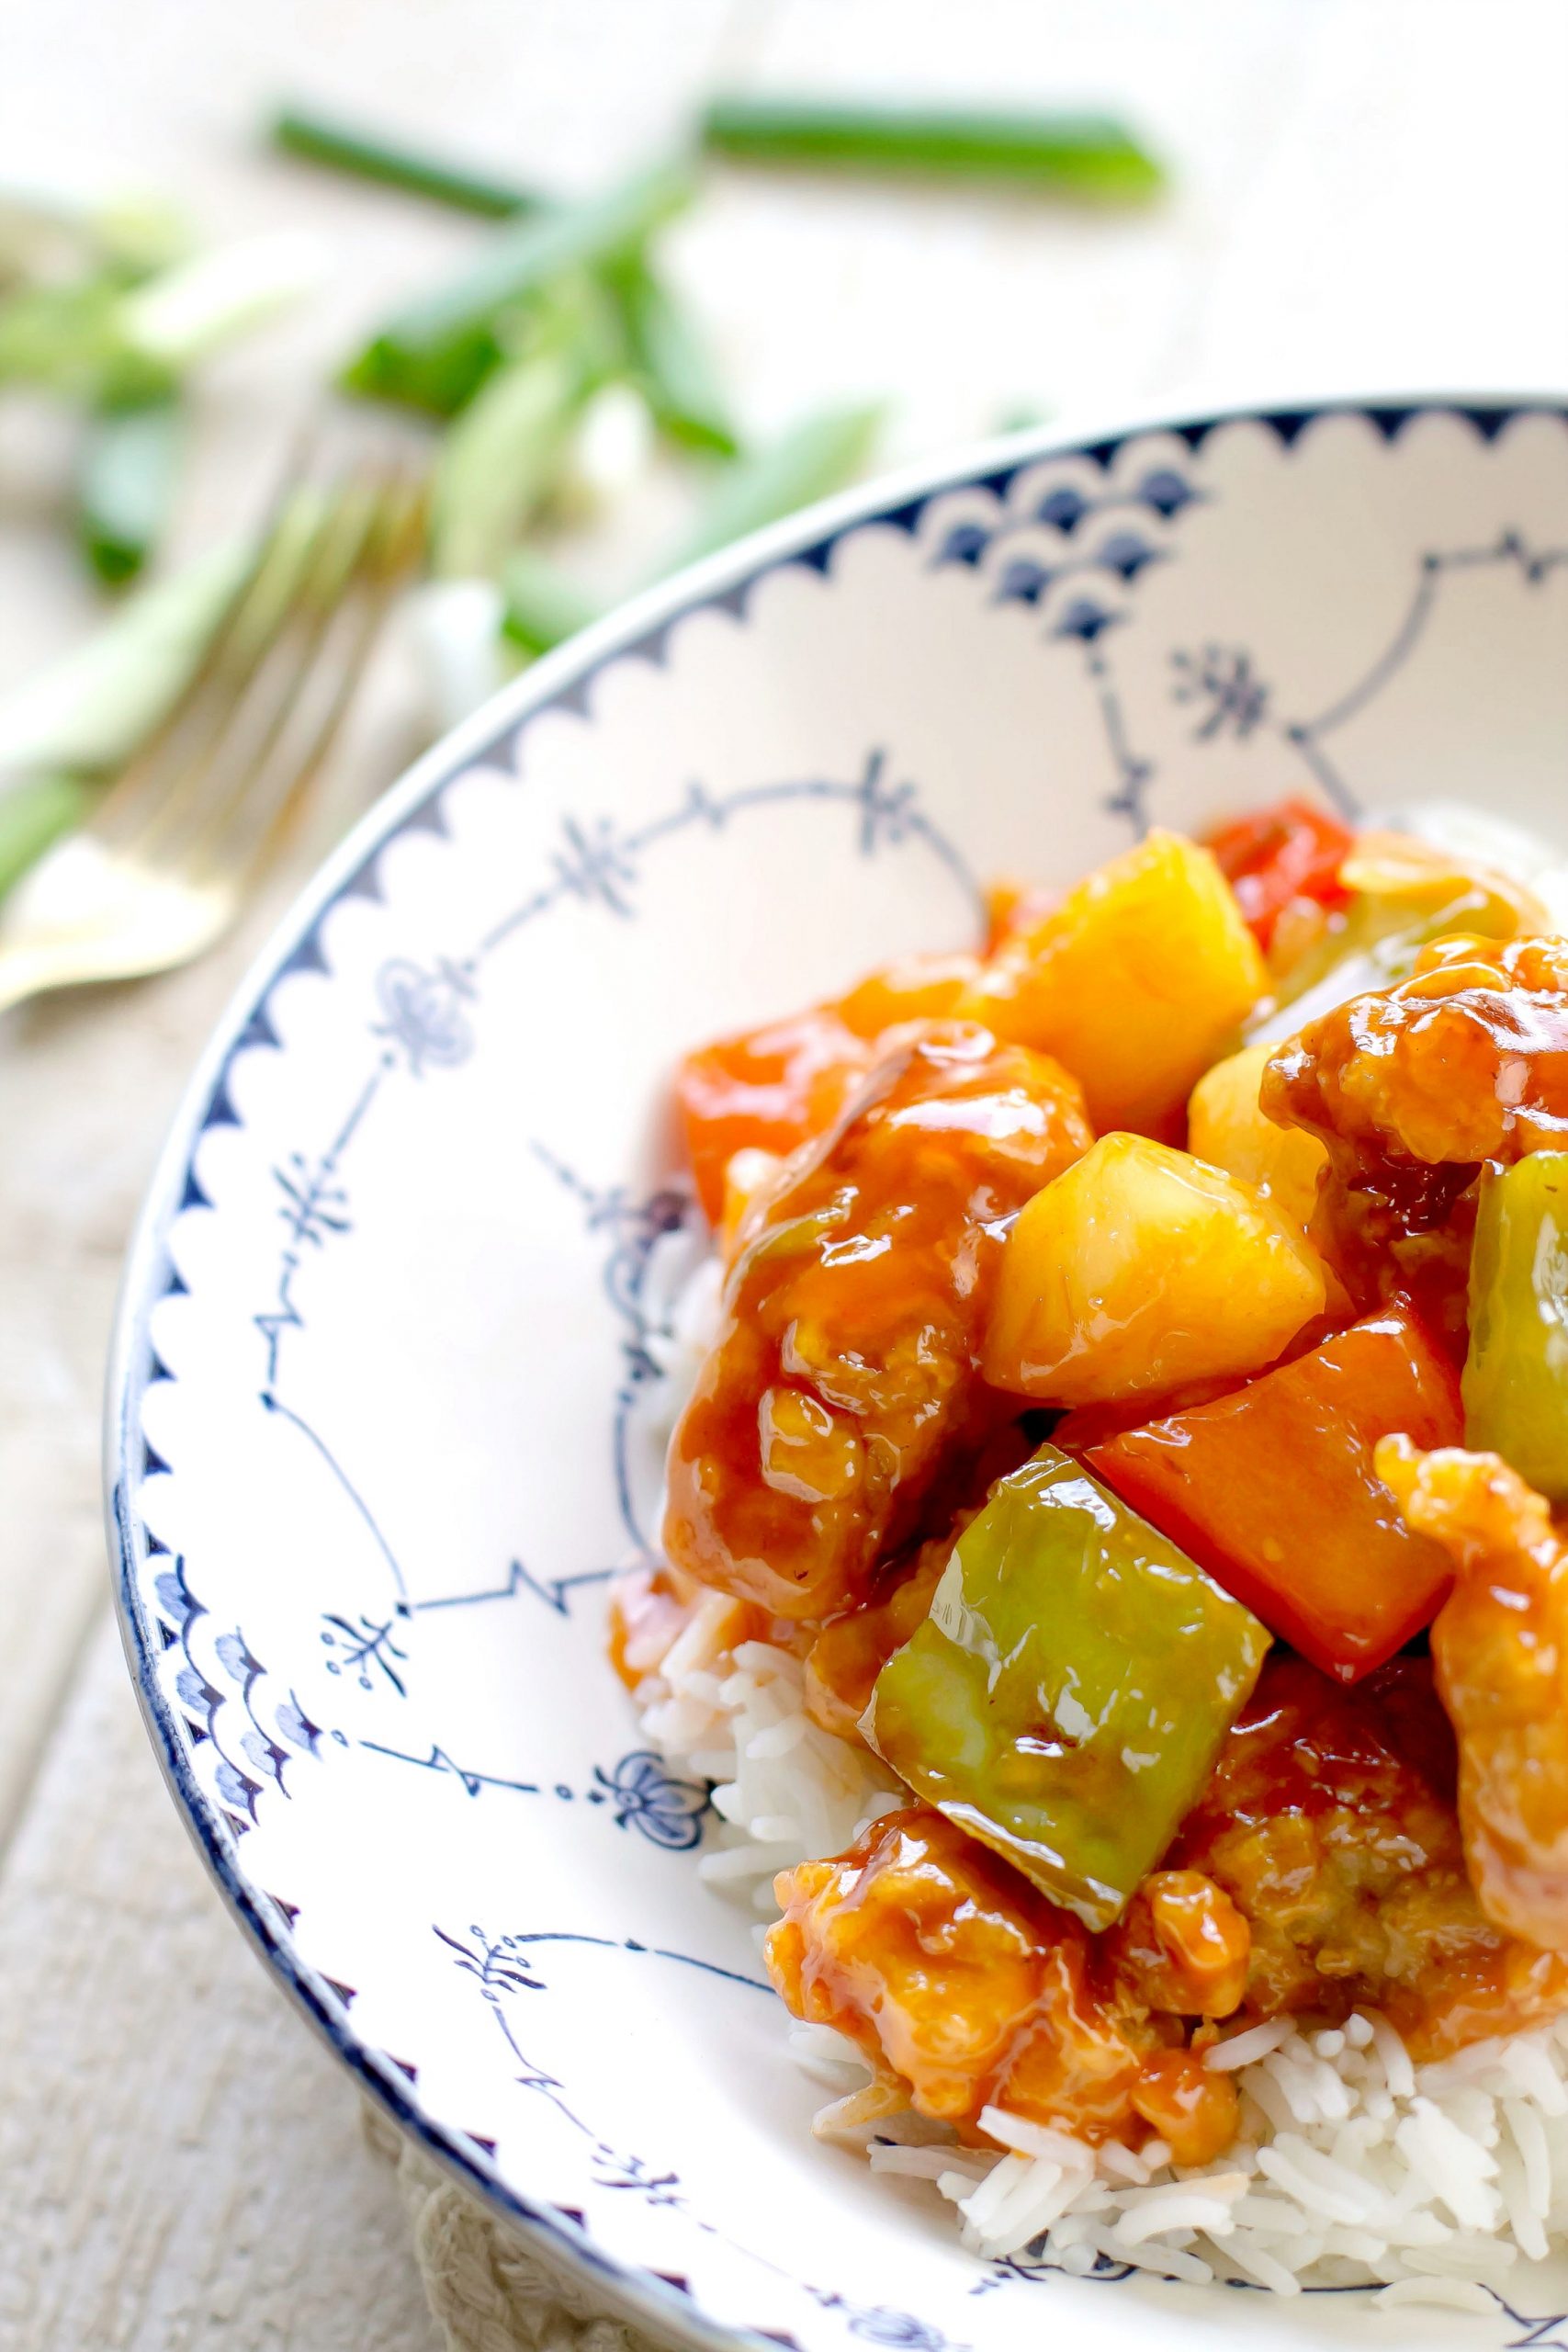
(846, 1368)
(1330, 1822)
(970, 1990)
(1500, 1649)
(1411, 1089)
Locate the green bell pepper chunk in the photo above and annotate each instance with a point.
(1515, 1375)
(1375, 944)
(1066, 1699)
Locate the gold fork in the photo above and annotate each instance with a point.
(165, 863)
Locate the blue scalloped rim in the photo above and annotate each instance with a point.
(563, 683)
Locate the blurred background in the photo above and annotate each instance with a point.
(1304, 197)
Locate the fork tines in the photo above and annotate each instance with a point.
(213, 787)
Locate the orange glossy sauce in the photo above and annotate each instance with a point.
(846, 1369)
(1193, 2111)
(768, 1089)
(922, 987)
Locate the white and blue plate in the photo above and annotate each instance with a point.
(372, 1414)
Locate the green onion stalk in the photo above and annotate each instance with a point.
(435, 353)
(1093, 156)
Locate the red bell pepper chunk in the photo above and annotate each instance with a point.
(1272, 1490)
(1290, 851)
(768, 1089)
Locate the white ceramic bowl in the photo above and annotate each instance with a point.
(370, 1445)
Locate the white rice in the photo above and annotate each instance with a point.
(1352, 2167)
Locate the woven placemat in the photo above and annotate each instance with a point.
(487, 2291)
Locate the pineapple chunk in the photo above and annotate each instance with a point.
(1226, 1126)
(1141, 1270)
(1136, 980)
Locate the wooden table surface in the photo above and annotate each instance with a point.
(1369, 194)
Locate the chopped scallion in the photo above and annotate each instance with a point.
(671, 363)
(87, 713)
(499, 461)
(125, 484)
(1070, 153)
(437, 353)
(369, 154)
